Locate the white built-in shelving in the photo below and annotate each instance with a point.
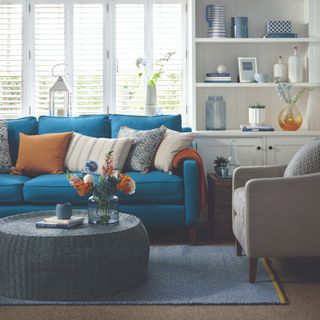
(258, 40)
(208, 53)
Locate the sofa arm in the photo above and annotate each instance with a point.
(191, 190)
(243, 174)
(282, 216)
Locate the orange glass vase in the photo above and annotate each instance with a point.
(290, 118)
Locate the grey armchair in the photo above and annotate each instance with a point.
(275, 216)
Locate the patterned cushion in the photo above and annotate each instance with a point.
(83, 148)
(305, 161)
(5, 161)
(146, 143)
(172, 143)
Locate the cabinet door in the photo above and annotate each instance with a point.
(249, 150)
(280, 150)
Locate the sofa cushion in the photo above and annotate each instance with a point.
(51, 188)
(173, 142)
(153, 187)
(97, 126)
(27, 125)
(146, 143)
(144, 122)
(239, 203)
(11, 188)
(305, 161)
(5, 159)
(42, 154)
(83, 148)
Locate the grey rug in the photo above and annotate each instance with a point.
(189, 275)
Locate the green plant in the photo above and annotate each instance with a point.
(257, 106)
(220, 161)
(142, 63)
(283, 90)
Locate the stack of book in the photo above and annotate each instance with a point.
(54, 222)
(215, 77)
(264, 127)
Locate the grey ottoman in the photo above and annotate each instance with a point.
(87, 262)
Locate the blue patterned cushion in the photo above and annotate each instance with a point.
(305, 161)
(143, 151)
(5, 160)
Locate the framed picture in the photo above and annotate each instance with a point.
(247, 68)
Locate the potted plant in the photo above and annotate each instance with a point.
(221, 166)
(257, 114)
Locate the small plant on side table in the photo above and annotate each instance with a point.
(221, 166)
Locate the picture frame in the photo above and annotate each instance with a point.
(247, 68)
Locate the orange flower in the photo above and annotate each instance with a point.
(126, 184)
(82, 187)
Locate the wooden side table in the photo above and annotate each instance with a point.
(220, 208)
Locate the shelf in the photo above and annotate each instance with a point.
(258, 40)
(253, 85)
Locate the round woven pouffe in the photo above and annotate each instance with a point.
(84, 263)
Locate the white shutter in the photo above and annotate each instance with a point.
(169, 21)
(10, 60)
(88, 58)
(49, 49)
(129, 42)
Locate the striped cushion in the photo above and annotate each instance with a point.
(172, 143)
(83, 148)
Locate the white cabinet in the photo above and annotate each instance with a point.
(252, 149)
(249, 150)
(279, 150)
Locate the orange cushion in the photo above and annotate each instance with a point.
(41, 154)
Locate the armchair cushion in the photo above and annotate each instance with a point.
(239, 203)
(305, 161)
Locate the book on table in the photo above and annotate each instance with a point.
(54, 222)
(249, 128)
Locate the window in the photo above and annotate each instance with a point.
(99, 42)
(10, 59)
(150, 30)
(49, 50)
(88, 58)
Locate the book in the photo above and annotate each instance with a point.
(72, 220)
(216, 81)
(54, 222)
(217, 74)
(248, 128)
(218, 78)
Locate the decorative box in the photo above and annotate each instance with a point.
(279, 26)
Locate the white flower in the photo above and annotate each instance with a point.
(88, 178)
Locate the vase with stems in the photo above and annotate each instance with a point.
(290, 117)
(151, 107)
(103, 203)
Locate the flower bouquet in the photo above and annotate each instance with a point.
(103, 204)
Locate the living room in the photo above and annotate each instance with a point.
(159, 159)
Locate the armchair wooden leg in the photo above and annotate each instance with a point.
(192, 234)
(253, 264)
(238, 248)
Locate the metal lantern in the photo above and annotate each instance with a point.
(60, 96)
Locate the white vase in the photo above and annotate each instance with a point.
(295, 67)
(280, 71)
(151, 101)
(257, 116)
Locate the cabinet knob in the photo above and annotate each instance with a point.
(259, 148)
(270, 148)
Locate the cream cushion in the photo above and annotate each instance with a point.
(172, 143)
(83, 148)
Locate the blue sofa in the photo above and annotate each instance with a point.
(160, 198)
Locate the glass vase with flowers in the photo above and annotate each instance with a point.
(103, 203)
